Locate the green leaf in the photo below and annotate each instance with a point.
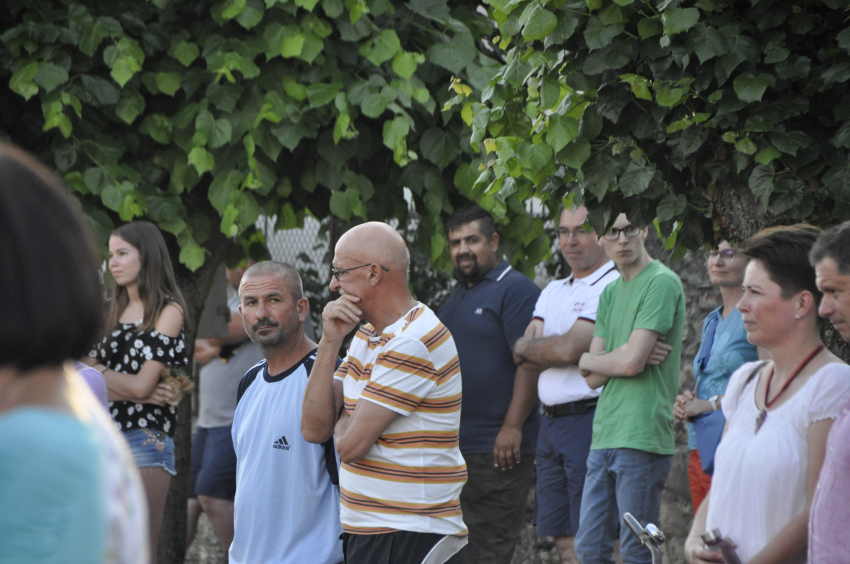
(637, 177)
(597, 35)
(101, 89)
(766, 155)
(710, 43)
(292, 45)
(22, 83)
(321, 93)
(639, 85)
(789, 142)
(50, 75)
(191, 255)
(455, 55)
(439, 147)
(158, 127)
(373, 105)
(535, 157)
(576, 153)
(395, 131)
(220, 133)
(252, 15)
(746, 146)
(339, 206)
(550, 93)
(186, 53)
(333, 8)
(168, 82)
(542, 23)
(844, 39)
(232, 8)
(677, 20)
(650, 27)
(307, 4)
(130, 106)
(201, 159)
(382, 48)
(404, 64)
(761, 183)
(671, 206)
(560, 131)
(613, 14)
(836, 73)
(669, 97)
(750, 88)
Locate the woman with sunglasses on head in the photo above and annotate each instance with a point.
(778, 412)
(145, 335)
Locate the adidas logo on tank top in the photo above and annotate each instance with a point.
(281, 444)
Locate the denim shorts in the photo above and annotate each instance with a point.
(151, 449)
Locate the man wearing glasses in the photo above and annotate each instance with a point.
(393, 407)
(633, 443)
(559, 333)
(487, 313)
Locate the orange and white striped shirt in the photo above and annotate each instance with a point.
(412, 477)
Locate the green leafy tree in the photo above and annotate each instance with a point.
(715, 118)
(201, 116)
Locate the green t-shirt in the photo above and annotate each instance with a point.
(637, 412)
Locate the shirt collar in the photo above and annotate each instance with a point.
(594, 276)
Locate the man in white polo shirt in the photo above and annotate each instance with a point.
(559, 333)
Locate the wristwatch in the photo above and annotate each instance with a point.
(713, 401)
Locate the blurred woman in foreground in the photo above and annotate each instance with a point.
(778, 412)
(68, 489)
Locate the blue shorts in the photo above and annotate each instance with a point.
(151, 449)
(562, 449)
(213, 470)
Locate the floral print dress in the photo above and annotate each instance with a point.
(125, 350)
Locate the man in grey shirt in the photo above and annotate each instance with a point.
(212, 478)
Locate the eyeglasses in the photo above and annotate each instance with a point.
(578, 232)
(337, 273)
(629, 231)
(727, 254)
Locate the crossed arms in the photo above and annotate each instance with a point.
(644, 347)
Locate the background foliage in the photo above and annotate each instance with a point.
(199, 116)
(709, 116)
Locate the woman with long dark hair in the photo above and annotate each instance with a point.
(144, 335)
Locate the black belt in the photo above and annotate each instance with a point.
(573, 408)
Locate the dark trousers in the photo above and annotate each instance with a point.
(493, 502)
(398, 547)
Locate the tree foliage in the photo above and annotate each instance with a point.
(709, 116)
(200, 116)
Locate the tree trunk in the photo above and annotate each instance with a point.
(195, 286)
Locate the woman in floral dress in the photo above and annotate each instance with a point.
(146, 316)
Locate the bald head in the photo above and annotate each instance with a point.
(377, 243)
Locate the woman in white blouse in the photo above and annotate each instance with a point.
(778, 412)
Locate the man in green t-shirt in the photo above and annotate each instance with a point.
(635, 353)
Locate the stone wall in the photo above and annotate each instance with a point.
(676, 509)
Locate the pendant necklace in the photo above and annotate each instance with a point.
(763, 412)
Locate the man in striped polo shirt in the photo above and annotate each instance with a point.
(402, 471)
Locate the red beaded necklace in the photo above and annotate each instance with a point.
(763, 413)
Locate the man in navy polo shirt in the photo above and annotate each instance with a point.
(486, 314)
